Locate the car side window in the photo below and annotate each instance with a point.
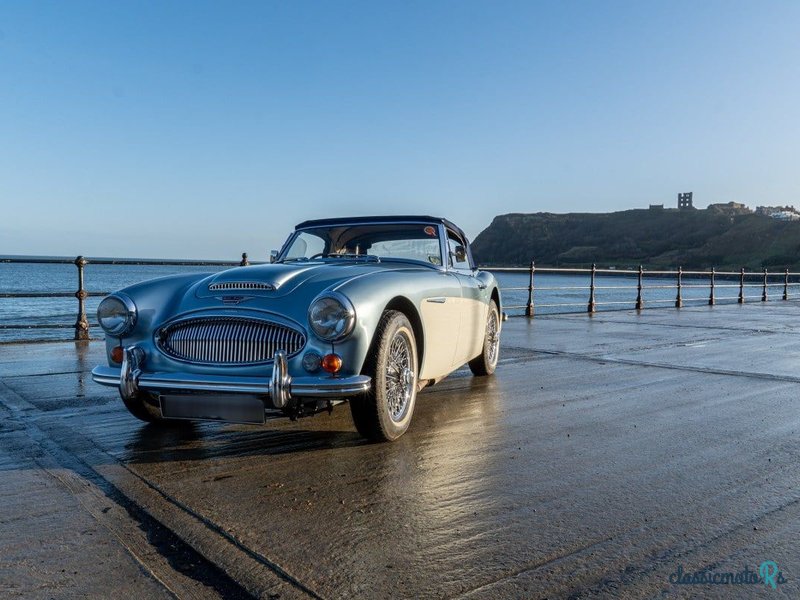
(457, 251)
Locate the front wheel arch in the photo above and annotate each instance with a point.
(496, 297)
(405, 306)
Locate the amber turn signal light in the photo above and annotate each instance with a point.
(116, 354)
(332, 363)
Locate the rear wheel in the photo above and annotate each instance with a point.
(384, 413)
(486, 363)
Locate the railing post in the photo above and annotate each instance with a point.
(711, 299)
(529, 307)
(764, 288)
(786, 284)
(741, 286)
(592, 303)
(639, 300)
(679, 298)
(245, 262)
(82, 323)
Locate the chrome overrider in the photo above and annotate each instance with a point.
(280, 387)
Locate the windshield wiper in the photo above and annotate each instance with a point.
(294, 259)
(367, 257)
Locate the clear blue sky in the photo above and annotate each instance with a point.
(203, 129)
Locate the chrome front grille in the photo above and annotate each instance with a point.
(240, 285)
(228, 340)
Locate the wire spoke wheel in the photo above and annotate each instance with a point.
(486, 362)
(384, 413)
(400, 377)
(493, 337)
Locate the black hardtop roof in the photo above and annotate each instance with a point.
(380, 219)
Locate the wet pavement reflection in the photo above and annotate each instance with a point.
(605, 452)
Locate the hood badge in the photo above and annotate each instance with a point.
(234, 300)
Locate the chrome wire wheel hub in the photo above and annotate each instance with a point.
(493, 337)
(400, 377)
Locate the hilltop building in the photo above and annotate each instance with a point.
(785, 215)
(782, 213)
(656, 207)
(730, 208)
(685, 201)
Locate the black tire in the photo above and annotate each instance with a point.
(144, 407)
(384, 413)
(486, 362)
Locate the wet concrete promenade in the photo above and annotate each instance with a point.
(606, 453)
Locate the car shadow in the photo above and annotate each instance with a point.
(438, 408)
(191, 441)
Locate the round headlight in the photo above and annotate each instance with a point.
(331, 316)
(117, 315)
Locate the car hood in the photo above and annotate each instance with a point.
(279, 280)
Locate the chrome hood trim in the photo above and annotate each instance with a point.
(240, 285)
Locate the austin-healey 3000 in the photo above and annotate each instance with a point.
(367, 310)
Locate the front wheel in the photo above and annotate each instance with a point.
(384, 413)
(144, 407)
(486, 363)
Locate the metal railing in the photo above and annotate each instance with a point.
(740, 280)
(82, 325)
(713, 281)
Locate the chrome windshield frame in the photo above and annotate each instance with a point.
(440, 230)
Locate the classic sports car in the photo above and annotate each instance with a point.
(367, 309)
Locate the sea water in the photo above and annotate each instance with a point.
(553, 293)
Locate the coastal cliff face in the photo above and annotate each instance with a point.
(694, 239)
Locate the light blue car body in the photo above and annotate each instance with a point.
(425, 292)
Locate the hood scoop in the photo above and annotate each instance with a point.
(226, 286)
(272, 281)
(262, 280)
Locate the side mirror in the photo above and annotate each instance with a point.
(273, 256)
(461, 254)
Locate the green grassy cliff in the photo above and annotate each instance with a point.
(694, 239)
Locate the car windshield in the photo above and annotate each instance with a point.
(366, 242)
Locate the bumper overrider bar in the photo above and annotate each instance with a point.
(280, 387)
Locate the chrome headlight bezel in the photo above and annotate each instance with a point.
(125, 309)
(347, 316)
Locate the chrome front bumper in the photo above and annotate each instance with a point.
(280, 387)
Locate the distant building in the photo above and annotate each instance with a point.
(768, 211)
(656, 207)
(685, 201)
(785, 215)
(730, 208)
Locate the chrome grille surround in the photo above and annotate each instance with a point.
(228, 340)
(240, 285)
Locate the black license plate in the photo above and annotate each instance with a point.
(235, 409)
